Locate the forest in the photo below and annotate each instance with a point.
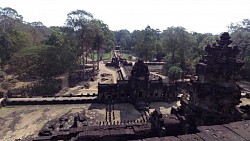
(32, 50)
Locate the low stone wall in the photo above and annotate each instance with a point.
(154, 63)
(50, 101)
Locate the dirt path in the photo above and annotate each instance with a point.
(79, 89)
(104, 69)
(162, 76)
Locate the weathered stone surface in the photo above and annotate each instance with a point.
(170, 138)
(242, 128)
(218, 133)
(139, 87)
(215, 93)
(189, 137)
(152, 139)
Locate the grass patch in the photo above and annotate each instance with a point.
(126, 56)
(106, 56)
(155, 67)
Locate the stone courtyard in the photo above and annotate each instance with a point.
(24, 122)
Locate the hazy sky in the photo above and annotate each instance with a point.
(195, 15)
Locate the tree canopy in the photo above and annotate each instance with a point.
(34, 49)
(240, 33)
(44, 61)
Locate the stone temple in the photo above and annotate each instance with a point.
(213, 97)
(138, 88)
(209, 112)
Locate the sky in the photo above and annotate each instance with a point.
(203, 16)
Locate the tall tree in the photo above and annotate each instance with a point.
(78, 20)
(149, 43)
(137, 38)
(8, 21)
(39, 32)
(123, 39)
(146, 43)
(240, 33)
(104, 39)
(177, 43)
(56, 39)
(8, 18)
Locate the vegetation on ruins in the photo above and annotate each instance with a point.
(174, 73)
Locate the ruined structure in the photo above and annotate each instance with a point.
(117, 60)
(77, 127)
(215, 94)
(160, 127)
(139, 88)
(76, 76)
(208, 113)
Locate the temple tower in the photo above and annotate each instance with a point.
(215, 94)
(139, 81)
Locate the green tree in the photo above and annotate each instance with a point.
(240, 33)
(43, 61)
(107, 38)
(38, 31)
(146, 43)
(137, 38)
(18, 40)
(9, 19)
(123, 39)
(177, 44)
(174, 73)
(56, 39)
(78, 20)
(198, 49)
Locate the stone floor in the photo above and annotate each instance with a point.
(24, 122)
